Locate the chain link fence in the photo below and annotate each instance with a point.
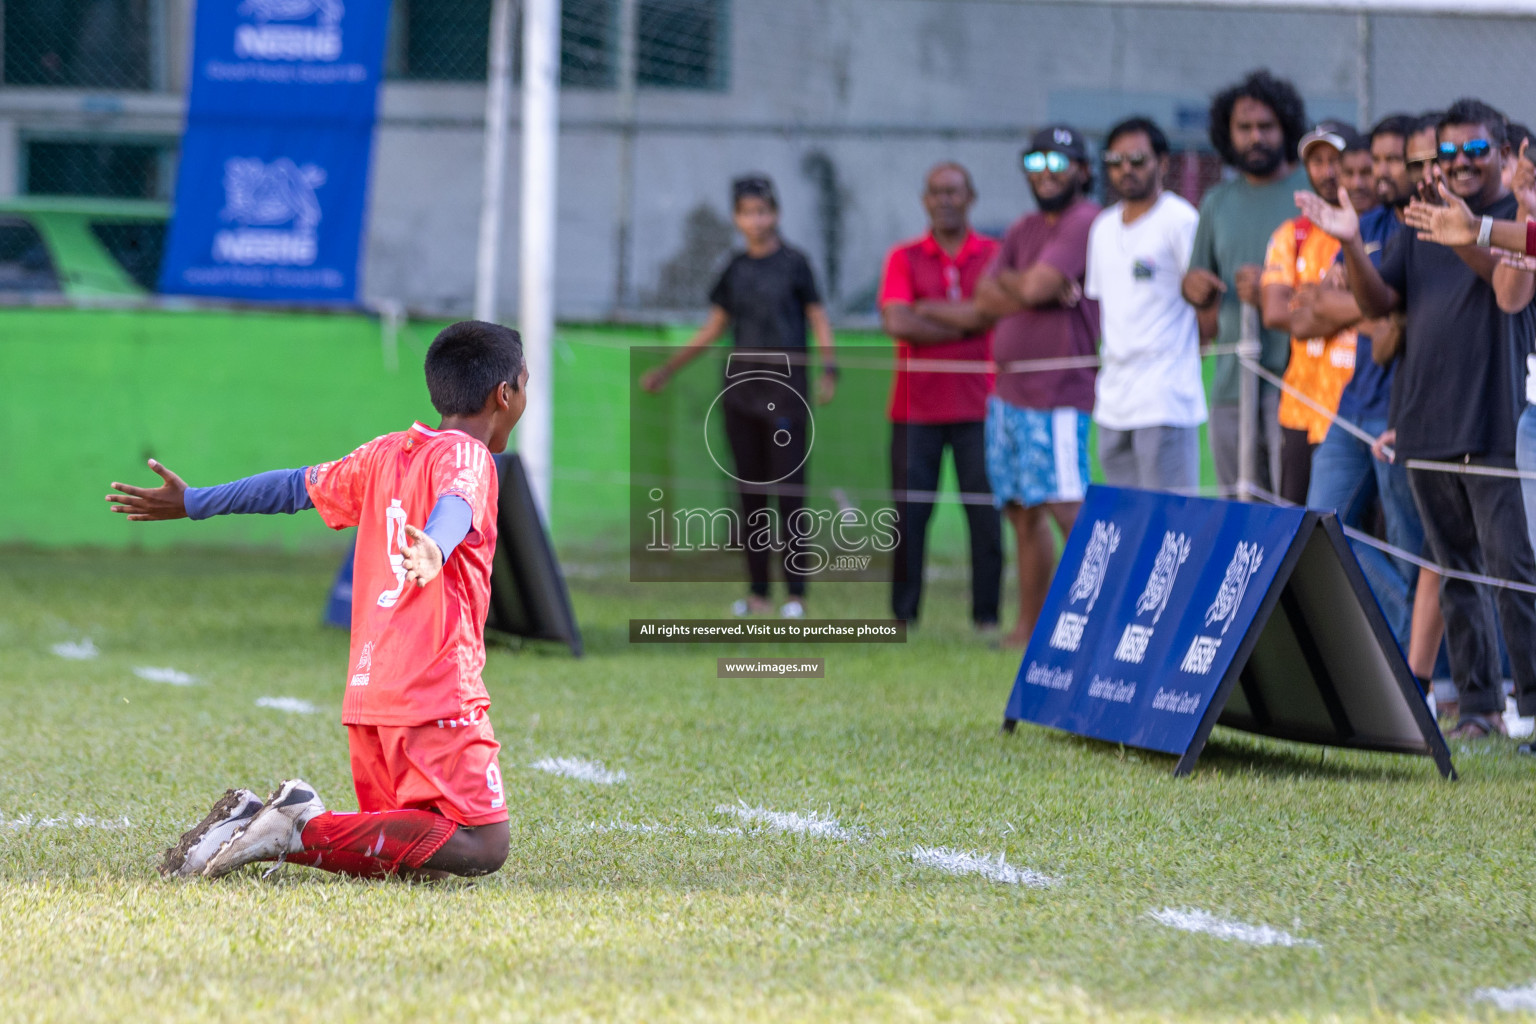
(842, 101)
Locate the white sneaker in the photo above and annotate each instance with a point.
(272, 833)
(792, 609)
(740, 607)
(192, 851)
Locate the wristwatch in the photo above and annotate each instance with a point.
(1485, 232)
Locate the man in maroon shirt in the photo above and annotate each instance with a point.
(1037, 422)
(925, 305)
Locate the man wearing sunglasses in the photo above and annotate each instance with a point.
(1150, 397)
(1037, 422)
(1454, 401)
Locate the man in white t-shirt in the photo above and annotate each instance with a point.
(1149, 400)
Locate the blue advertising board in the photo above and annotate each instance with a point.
(1162, 605)
(272, 187)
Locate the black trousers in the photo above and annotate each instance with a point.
(917, 454)
(769, 454)
(1477, 524)
(1295, 465)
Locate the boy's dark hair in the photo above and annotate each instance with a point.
(1428, 119)
(1518, 133)
(754, 186)
(1277, 94)
(1400, 125)
(467, 361)
(1146, 126)
(1473, 111)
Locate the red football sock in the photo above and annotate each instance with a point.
(373, 845)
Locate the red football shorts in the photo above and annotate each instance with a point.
(449, 767)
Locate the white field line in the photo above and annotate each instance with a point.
(62, 821)
(84, 650)
(959, 862)
(663, 830)
(165, 675)
(582, 771)
(1508, 998)
(293, 705)
(812, 824)
(1221, 928)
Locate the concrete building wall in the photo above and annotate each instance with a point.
(845, 103)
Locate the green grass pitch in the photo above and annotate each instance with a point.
(1416, 892)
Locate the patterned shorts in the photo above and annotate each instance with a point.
(1036, 456)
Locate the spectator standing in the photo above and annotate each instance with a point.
(1346, 476)
(1037, 422)
(1453, 401)
(1255, 127)
(766, 297)
(925, 305)
(1296, 262)
(1150, 399)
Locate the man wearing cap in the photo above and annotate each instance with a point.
(1255, 127)
(1037, 422)
(1297, 260)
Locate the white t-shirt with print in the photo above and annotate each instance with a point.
(1151, 343)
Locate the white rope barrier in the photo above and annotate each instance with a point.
(1396, 552)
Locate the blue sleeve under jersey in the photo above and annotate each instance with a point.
(280, 491)
(449, 523)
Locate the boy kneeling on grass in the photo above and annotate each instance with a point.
(424, 758)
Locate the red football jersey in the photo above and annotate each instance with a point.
(417, 652)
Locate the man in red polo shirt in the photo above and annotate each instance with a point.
(925, 305)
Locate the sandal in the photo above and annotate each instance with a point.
(1478, 727)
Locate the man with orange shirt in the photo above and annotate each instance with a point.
(1298, 259)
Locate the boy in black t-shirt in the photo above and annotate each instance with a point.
(766, 296)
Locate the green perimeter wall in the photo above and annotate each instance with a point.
(87, 395)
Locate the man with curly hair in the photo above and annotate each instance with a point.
(1256, 126)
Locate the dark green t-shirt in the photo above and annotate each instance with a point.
(1236, 220)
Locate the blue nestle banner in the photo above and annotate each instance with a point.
(1154, 596)
(272, 188)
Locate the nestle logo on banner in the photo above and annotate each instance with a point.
(1202, 649)
(1154, 597)
(264, 40)
(1068, 634)
(276, 210)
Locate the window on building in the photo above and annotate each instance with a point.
(681, 44)
(446, 41)
(136, 245)
(94, 44)
(117, 170)
(25, 265)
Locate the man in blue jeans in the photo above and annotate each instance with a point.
(1345, 475)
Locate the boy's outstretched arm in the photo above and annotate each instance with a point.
(146, 504)
(280, 491)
